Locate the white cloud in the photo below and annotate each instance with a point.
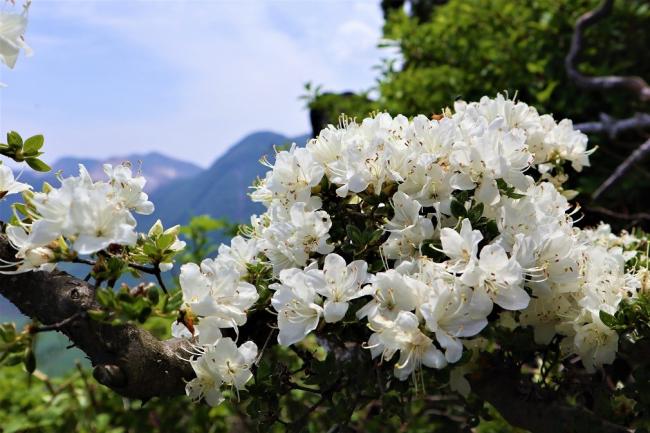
(234, 68)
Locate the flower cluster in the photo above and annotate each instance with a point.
(90, 214)
(422, 229)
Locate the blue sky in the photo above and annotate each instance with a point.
(186, 78)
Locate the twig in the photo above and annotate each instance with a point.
(636, 156)
(56, 326)
(84, 261)
(155, 271)
(633, 84)
(610, 213)
(615, 127)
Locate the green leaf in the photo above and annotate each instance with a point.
(508, 190)
(609, 320)
(476, 213)
(354, 234)
(30, 360)
(33, 145)
(14, 140)
(37, 164)
(457, 209)
(105, 297)
(165, 241)
(97, 315)
(154, 295)
(8, 331)
(492, 228)
(21, 208)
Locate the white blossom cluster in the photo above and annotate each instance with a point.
(90, 214)
(422, 308)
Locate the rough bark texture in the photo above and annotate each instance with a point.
(127, 359)
(133, 363)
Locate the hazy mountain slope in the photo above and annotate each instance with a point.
(156, 167)
(221, 190)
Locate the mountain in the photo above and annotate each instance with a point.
(160, 170)
(221, 190)
(156, 167)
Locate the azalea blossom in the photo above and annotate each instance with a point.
(298, 305)
(461, 248)
(12, 29)
(339, 283)
(222, 363)
(8, 184)
(217, 291)
(498, 277)
(404, 336)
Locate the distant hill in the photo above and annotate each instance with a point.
(156, 167)
(221, 190)
(159, 170)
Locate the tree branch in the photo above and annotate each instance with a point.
(615, 127)
(638, 216)
(637, 156)
(127, 359)
(612, 82)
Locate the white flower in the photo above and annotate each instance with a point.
(241, 253)
(546, 312)
(451, 312)
(403, 334)
(297, 304)
(364, 155)
(498, 277)
(605, 282)
(128, 189)
(461, 248)
(339, 283)
(92, 215)
(207, 384)
(217, 291)
(565, 143)
(12, 29)
(9, 185)
(291, 179)
(393, 292)
(292, 236)
(594, 342)
(232, 363)
(29, 258)
(553, 263)
(408, 229)
(222, 363)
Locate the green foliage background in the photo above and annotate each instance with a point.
(471, 48)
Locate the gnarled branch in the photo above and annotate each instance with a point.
(636, 85)
(614, 127)
(127, 359)
(637, 156)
